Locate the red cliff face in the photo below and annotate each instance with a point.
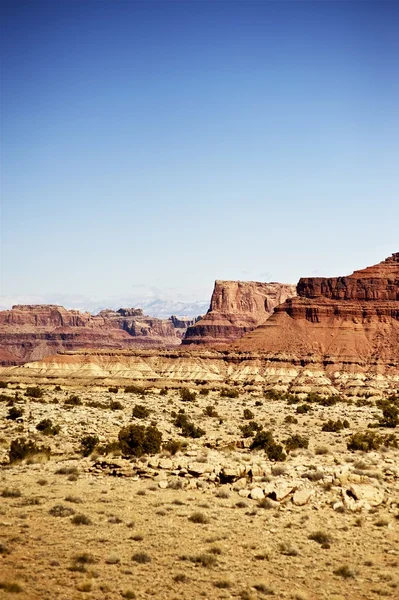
(31, 332)
(353, 318)
(237, 307)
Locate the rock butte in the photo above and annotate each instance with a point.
(338, 335)
(353, 319)
(237, 307)
(31, 332)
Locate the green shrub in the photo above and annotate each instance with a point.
(88, 444)
(34, 392)
(140, 411)
(370, 440)
(229, 393)
(47, 428)
(192, 431)
(137, 440)
(335, 426)
(73, 401)
(303, 409)
(172, 446)
(274, 395)
(296, 441)
(14, 413)
(134, 389)
(116, 405)
(264, 441)
(187, 396)
(250, 429)
(291, 420)
(21, 448)
(248, 414)
(210, 411)
(390, 416)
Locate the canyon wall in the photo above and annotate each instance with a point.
(236, 308)
(353, 318)
(31, 332)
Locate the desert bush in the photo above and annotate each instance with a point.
(322, 538)
(34, 392)
(291, 420)
(134, 389)
(141, 557)
(21, 448)
(274, 394)
(390, 416)
(11, 587)
(187, 395)
(248, 414)
(303, 409)
(116, 405)
(14, 413)
(58, 388)
(3, 385)
(199, 517)
(172, 446)
(296, 441)
(210, 411)
(163, 392)
(59, 510)
(113, 390)
(88, 444)
(80, 519)
(73, 400)
(140, 411)
(204, 392)
(47, 428)
(344, 571)
(229, 393)
(137, 440)
(192, 431)
(264, 441)
(369, 440)
(11, 493)
(250, 429)
(335, 426)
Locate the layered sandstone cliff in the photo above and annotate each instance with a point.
(236, 308)
(340, 319)
(31, 332)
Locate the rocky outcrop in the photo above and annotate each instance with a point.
(353, 319)
(236, 308)
(31, 332)
(191, 366)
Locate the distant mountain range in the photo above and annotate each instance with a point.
(159, 307)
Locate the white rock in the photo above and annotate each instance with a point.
(303, 496)
(257, 493)
(163, 484)
(240, 484)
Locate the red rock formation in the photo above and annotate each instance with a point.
(353, 318)
(237, 307)
(31, 332)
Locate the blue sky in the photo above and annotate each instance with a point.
(168, 144)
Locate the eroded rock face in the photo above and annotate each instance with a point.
(336, 320)
(31, 332)
(237, 307)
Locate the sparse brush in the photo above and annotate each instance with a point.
(198, 517)
(345, 572)
(141, 557)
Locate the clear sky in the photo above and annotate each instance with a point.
(168, 144)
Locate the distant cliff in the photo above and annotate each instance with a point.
(353, 319)
(31, 332)
(236, 308)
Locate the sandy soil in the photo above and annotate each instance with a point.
(139, 510)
